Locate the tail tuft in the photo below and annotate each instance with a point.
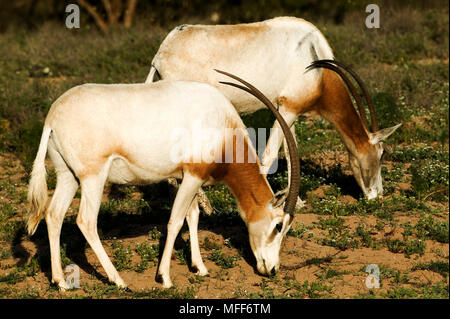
(37, 188)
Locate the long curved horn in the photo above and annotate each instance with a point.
(364, 89)
(348, 83)
(291, 199)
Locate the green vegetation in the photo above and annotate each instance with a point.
(121, 256)
(439, 267)
(222, 260)
(149, 254)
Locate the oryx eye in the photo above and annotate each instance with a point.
(275, 232)
(279, 227)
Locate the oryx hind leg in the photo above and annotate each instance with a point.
(196, 257)
(66, 186)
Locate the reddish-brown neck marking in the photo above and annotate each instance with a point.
(250, 188)
(244, 179)
(336, 107)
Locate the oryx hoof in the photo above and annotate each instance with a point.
(62, 285)
(165, 280)
(201, 270)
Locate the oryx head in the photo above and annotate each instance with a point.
(366, 165)
(266, 234)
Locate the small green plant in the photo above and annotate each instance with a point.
(338, 235)
(364, 234)
(149, 253)
(440, 267)
(330, 206)
(332, 224)
(196, 279)
(223, 261)
(155, 233)
(437, 291)
(11, 230)
(341, 241)
(400, 293)
(385, 214)
(408, 229)
(408, 247)
(395, 245)
(415, 247)
(407, 154)
(208, 244)
(331, 273)
(313, 289)
(32, 267)
(5, 254)
(429, 228)
(162, 293)
(319, 260)
(29, 293)
(299, 230)
(221, 198)
(121, 256)
(13, 277)
(182, 254)
(100, 290)
(392, 176)
(430, 178)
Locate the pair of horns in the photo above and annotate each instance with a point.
(337, 67)
(291, 198)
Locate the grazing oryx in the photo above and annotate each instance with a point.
(123, 133)
(273, 55)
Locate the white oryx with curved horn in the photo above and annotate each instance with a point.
(123, 133)
(273, 55)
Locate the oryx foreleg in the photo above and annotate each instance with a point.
(183, 201)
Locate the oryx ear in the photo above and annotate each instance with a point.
(383, 134)
(279, 198)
